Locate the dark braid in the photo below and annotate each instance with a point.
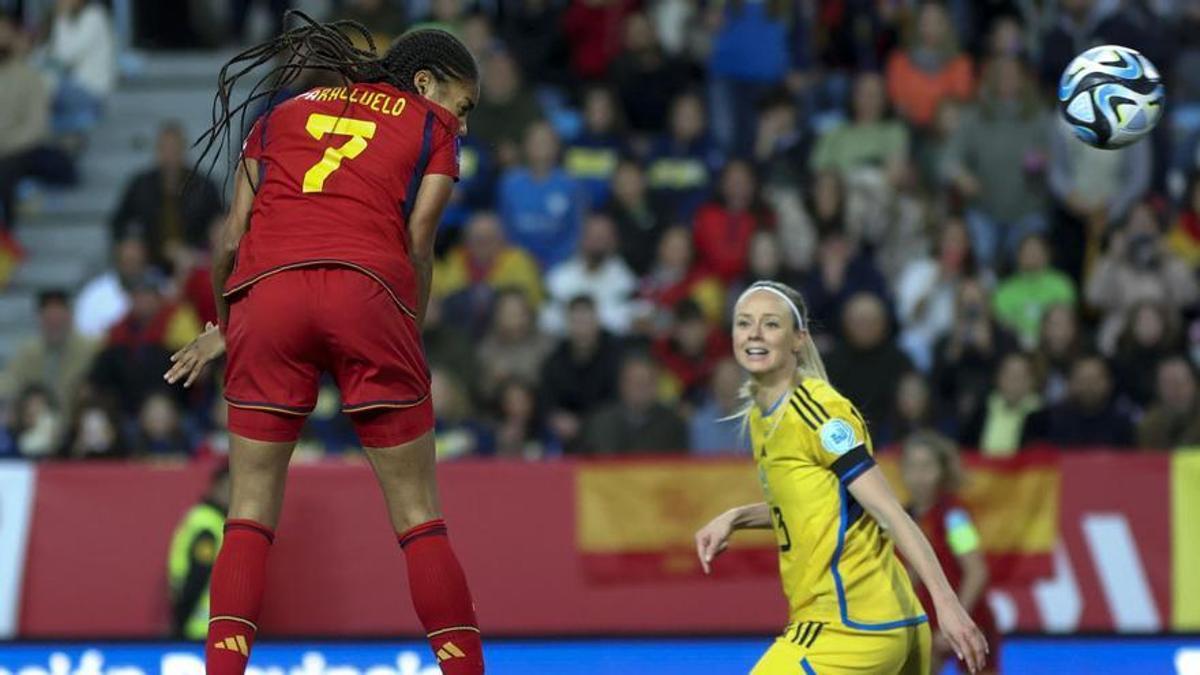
(327, 47)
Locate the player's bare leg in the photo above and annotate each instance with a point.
(436, 580)
(258, 471)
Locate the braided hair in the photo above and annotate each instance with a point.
(327, 47)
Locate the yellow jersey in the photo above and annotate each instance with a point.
(836, 562)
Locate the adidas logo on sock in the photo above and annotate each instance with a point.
(449, 651)
(235, 644)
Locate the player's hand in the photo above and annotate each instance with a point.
(712, 539)
(189, 363)
(964, 636)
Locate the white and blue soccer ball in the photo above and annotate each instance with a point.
(1111, 96)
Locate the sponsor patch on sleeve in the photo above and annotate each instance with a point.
(838, 437)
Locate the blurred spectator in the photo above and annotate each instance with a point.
(512, 347)
(1089, 417)
(998, 428)
(1183, 239)
(593, 32)
(857, 34)
(505, 110)
(842, 269)
(168, 206)
(690, 351)
(591, 157)
(532, 31)
(595, 270)
(997, 161)
(647, 80)
(1081, 24)
(95, 432)
(385, 20)
(474, 191)
(138, 350)
(478, 33)
(240, 17)
(1021, 298)
(191, 555)
(683, 161)
(447, 15)
(926, 292)
(932, 155)
(711, 430)
(636, 422)
(913, 410)
(675, 276)
(1060, 340)
(1151, 335)
(781, 150)
(160, 429)
(1173, 420)
(869, 138)
(764, 262)
(25, 149)
(749, 56)
(485, 262)
(104, 300)
(36, 428)
(866, 365)
(1092, 189)
(929, 68)
(822, 210)
(1136, 268)
(541, 206)
(966, 358)
(57, 359)
(640, 223)
(581, 374)
(457, 432)
(448, 345)
(82, 59)
(520, 429)
(724, 226)
(193, 275)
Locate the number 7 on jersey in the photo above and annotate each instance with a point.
(318, 126)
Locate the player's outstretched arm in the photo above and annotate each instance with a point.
(872, 491)
(713, 538)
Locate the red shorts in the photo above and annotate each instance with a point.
(288, 328)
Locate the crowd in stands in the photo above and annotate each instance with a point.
(632, 165)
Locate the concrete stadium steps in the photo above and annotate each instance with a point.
(85, 240)
(65, 232)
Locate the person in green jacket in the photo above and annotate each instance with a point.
(194, 547)
(1022, 298)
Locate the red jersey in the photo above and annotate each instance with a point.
(339, 171)
(948, 527)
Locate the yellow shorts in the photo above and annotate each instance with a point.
(825, 648)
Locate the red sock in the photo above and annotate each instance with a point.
(442, 599)
(235, 596)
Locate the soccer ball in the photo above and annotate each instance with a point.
(1111, 96)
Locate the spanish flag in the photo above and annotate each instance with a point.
(1014, 503)
(635, 521)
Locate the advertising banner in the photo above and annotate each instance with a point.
(1144, 656)
(1077, 542)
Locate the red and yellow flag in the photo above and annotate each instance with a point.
(635, 521)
